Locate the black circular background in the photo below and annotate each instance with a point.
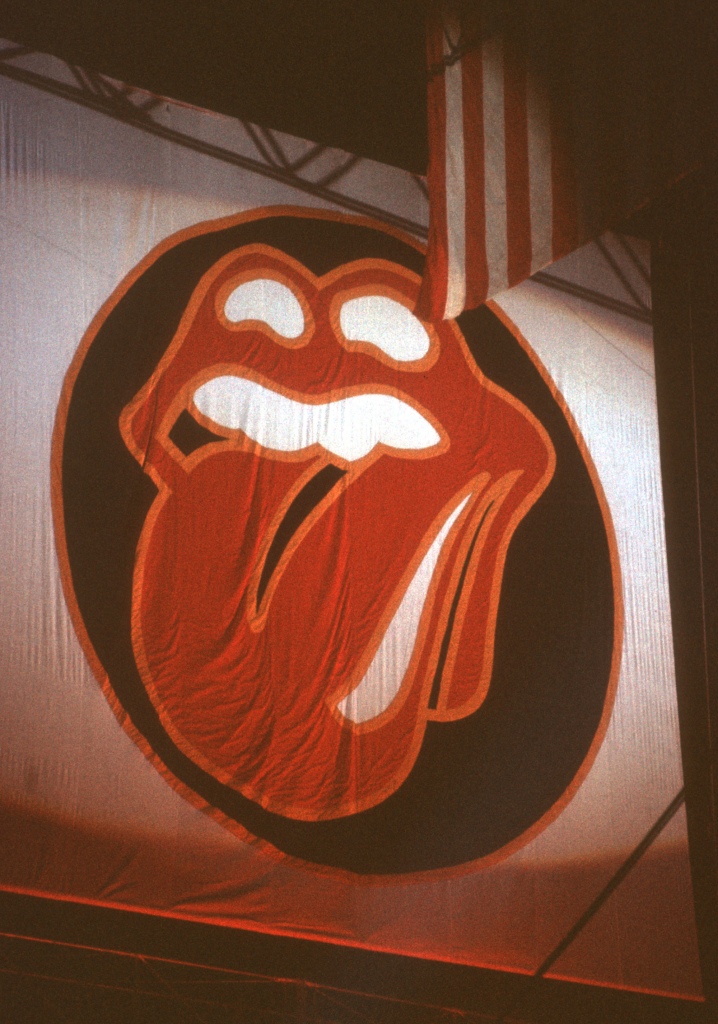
(478, 783)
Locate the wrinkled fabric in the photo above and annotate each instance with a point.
(85, 814)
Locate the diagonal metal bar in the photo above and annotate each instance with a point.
(135, 118)
(104, 87)
(642, 315)
(120, 98)
(307, 158)
(92, 84)
(625, 869)
(273, 144)
(601, 246)
(628, 249)
(40, 976)
(172, 990)
(101, 87)
(401, 1003)
(610, 887)
(256, 138)
(81, 79)
(339, 172)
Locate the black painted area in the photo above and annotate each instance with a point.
(303, 505)
(188, 435)
(478, 783)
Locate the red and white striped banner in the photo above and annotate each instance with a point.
(500, 184)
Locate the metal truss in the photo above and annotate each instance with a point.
(139, 109)
(542, 971)
(633, 306)
(100, 983)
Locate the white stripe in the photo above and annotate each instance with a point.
(495, 165)
(455, 185)
(540, 189)
(382, 680)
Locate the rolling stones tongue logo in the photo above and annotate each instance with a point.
(323, 579)
(346, 577)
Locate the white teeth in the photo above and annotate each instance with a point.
(382, 680)
(348, 427)
(268, 301)
(384, 322)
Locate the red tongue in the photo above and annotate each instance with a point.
(298, 515)
(257, 706)
(254, 704)
(248, 635)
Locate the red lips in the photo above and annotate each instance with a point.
(298, 616)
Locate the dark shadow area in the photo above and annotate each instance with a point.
(347, 74)
(685, 301)
(125, 966)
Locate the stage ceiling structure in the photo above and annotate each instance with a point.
(348, 74)
(344, 74)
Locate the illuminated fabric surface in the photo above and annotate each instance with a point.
(357, 588)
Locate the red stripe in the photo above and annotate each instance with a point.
(564, 187)
(518, 205)
(432, 294)
(477, 273)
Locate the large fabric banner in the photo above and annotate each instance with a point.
(319, 619)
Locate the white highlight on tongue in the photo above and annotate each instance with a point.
(382, 680)
(348, 427)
